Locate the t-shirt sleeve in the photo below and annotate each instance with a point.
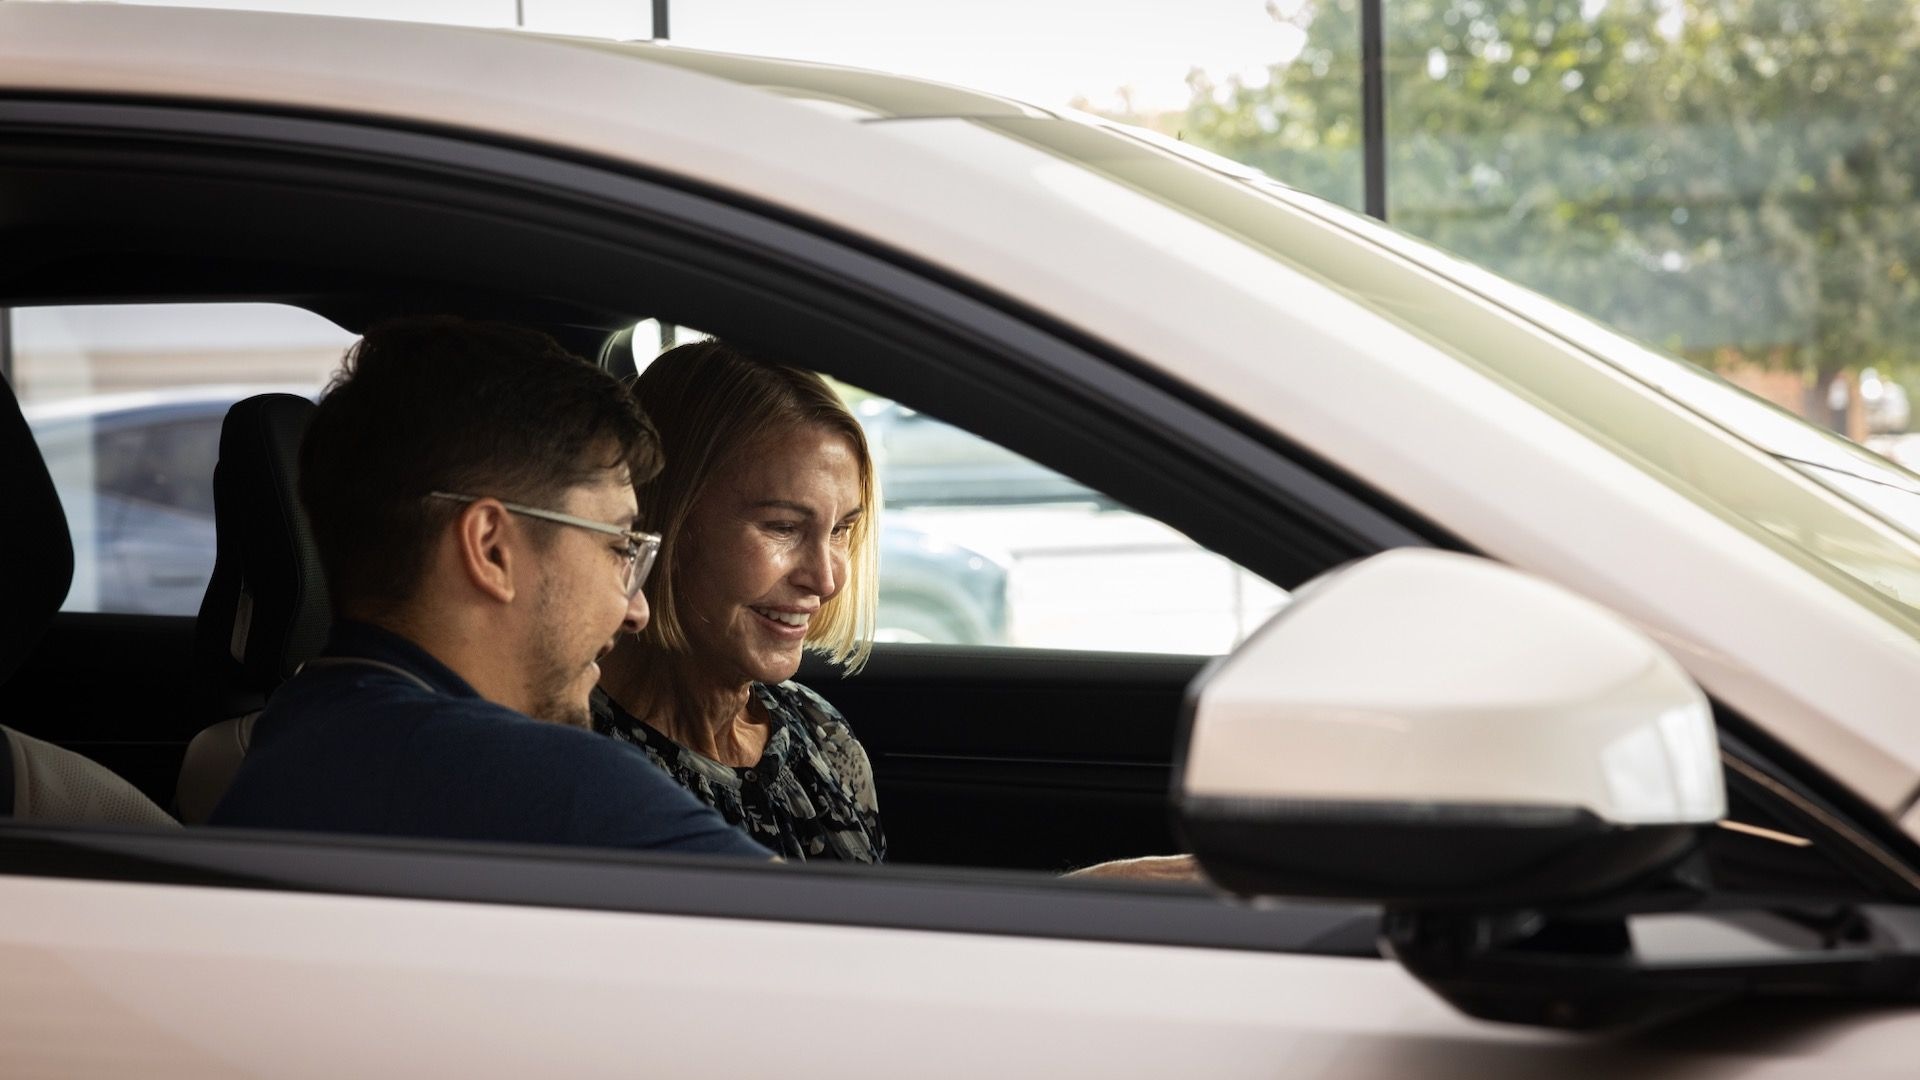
(544, 783)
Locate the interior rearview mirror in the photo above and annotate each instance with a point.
(1424, 729)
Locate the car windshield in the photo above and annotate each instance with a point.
(1841, 467)
(1841, 464)
(1844, 513)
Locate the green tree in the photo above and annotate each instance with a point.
(1733, 179)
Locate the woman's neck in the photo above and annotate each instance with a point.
(710, 716)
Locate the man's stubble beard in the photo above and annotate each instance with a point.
(555, 675)
(569, 711)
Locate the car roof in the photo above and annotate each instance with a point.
(852, 92)
(863, 153)
(800, 136)
(153, 31)
(820, 141)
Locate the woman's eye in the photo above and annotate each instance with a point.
(843, 530)
(781, 528)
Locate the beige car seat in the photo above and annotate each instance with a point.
(60, 787)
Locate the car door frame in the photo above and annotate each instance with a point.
(995, 361)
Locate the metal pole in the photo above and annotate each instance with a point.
(6, 346)
(659, 20)
(1373, 104)
(520, 13)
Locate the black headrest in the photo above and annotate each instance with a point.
(6, 773)
(36, 554)
(266, 609)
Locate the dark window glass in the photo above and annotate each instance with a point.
(167, 465)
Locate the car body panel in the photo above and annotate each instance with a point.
(164, 981)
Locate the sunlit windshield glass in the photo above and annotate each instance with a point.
(1840, 465)
(1838, 510)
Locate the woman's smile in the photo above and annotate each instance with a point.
(785, 621)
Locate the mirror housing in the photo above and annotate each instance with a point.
(1430, 730)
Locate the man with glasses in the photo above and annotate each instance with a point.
(470, 487)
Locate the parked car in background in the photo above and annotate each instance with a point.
(924, 462)
(135, 471)
(934, 591)
(1888, 410)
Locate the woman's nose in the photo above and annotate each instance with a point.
(637, 614)
(824, 571)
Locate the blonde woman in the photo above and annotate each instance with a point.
(767, 509)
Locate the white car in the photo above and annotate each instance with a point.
(1497, 759)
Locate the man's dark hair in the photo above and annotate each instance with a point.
(444, 404)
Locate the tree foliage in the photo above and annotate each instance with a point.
(1729, 178)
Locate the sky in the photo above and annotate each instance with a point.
(1048, 52)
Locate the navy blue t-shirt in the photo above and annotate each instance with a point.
(356, 748)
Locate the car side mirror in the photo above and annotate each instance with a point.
(1429, 731)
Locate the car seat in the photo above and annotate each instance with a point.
(266, 610)
(39, 781)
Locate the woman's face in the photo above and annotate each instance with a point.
(763, 549)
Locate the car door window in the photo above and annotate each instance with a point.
(126, 402)
(981, 546)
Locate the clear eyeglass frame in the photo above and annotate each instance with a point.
(643, 548)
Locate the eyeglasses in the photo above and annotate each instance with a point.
(642, 547)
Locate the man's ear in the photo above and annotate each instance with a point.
(484, 538)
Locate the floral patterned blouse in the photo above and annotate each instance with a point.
(810, 796)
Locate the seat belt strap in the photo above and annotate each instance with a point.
(341, 661)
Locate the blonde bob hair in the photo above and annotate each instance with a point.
(711, 402)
